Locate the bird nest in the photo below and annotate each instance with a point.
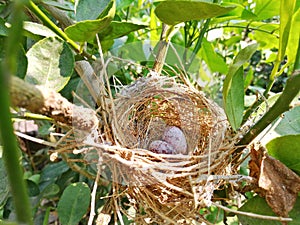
(164, 187)
(167, 188)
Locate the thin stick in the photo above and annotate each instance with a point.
(93, 196)
(162, 50)
(254, 215)
(36, 140)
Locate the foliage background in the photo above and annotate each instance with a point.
(241, 59)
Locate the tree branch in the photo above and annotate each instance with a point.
(38, 99)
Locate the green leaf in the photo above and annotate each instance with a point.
(50, 191)
(52, 172)
(293, 37)
(38, 29)
(50, 63)
(265, 9)
(214, 61)
(239, 12)
(21, 58)
(286, 14)
(73, 203)
(259, 205)
(119, 29)
(233, 88)
(4, 186)
(86, 30)
(234, 102)
(266, 41)
(287, 150)
(3, 28)
(22, 63)
(290, 123)
(244, 55)
(121, 4)
(89, 9)
(65, 6)
(248, 78)
(33, 188)
(174, 12)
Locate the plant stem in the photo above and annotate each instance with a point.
(273, 76)
(281, 105)
(198, 44)
(290, 91)
(162, 50)
(11, 153)
(47, 22)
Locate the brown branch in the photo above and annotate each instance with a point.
(41, 100)
(162, 50)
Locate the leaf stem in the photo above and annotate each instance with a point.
(11, 154)
(273, 76)
(47, 22)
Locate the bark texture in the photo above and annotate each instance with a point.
(41, 100)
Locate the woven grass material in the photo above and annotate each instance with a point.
(166, 188)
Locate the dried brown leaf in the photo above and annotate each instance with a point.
(277, 183)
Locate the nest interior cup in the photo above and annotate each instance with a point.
(145, 109)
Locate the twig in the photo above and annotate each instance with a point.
(254, 215)
(93, 195)
(162, 50)
(36, 140)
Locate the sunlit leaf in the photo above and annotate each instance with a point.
(50, 63)
(214, 61)
(89, 9)
(174, 12)
(287, 150)
(38, 29)
(239, 12)
(265, 9)
(286, 14)
(121, 4)
(233, 88)
(154, 31)
(265, 40)
(234, 102)
(73, 203)
(87, 29)
(118, 29)
(293, 37)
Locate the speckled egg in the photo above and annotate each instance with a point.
(175, 137)
(161, 147)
